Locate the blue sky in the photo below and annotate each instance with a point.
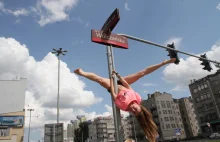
(192, 25)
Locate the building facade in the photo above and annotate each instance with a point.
(12, 112)
(102, 129)
(166, 115)
(188, 115)
(205, 93)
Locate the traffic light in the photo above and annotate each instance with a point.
(206, 63)
(173, 54)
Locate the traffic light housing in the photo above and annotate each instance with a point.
(205, 63)
(173, 54)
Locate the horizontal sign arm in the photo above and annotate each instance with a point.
(155, 44)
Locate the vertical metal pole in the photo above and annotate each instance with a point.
(116, 111)
(58, 94)
(29, 126)
(213, 98)
(134, 129)
(54, 132)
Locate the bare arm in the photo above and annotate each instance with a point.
(112, 89)
(123, 81)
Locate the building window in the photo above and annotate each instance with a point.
(4, 132)
(162, 126)
(161, 119)
(195, 90)
(166, 118)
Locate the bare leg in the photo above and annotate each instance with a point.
(105, 82)
(134, 77)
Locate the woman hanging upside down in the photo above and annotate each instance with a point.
(127, 99)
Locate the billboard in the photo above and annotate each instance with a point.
(11, 121)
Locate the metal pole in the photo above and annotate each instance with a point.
(155, 44)
(54, 132)
(213, 98)
(58, 94)
(29, 124)
(116, 111)
(134, 129)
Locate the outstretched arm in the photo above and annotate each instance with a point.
(112, 88)
(123, 81)
(136, 76)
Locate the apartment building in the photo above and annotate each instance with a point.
(188, 115)
(205, 93)
(166, 115)
(102, 129)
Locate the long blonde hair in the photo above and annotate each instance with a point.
(147, 124)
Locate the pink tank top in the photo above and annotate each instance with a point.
(125, 97)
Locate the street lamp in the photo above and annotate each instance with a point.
(58, 52)
(29, 124)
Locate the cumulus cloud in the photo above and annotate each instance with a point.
(189, 69)
(126, 6)
(51, 11)
(41, 92)
(48, 11)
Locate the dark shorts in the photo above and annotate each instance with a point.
(118, 82)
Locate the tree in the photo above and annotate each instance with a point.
(82, 132)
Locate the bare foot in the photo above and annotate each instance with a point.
(78, 71)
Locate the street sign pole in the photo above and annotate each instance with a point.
(105, 37)
(116, 111)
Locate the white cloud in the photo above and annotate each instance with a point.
(126, 6)
(189, 69)
(218, 7)
(41, 90)
(51, 11)
(176, 40)
(149, 84)
(19, 12)
(110, 111)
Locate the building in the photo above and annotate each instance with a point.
(53, 132)
(188, 115)
(70, 131)
(12, 110)
(102, 129)
(205, 93)
(72, 127)
(166, 115)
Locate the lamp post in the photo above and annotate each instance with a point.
(58, 52)
(29, 124)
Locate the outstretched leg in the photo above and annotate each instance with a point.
(136, 76)
(105, 82)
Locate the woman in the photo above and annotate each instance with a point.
(127, 99)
